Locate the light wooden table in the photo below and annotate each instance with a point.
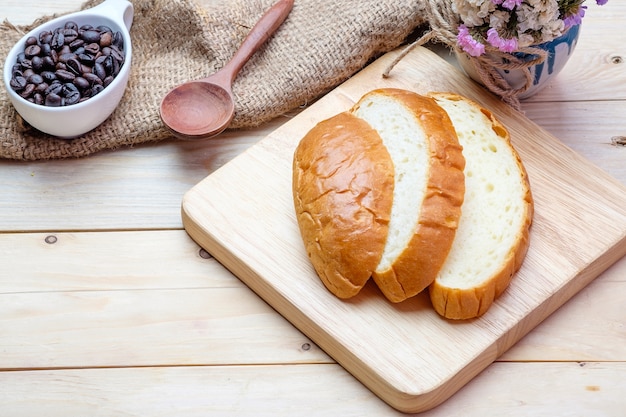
(108, 308)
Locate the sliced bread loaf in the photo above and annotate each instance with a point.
(493, 234)
(377, 192)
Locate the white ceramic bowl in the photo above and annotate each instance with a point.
(76, 119)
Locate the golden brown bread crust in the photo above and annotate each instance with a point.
(418, 265)
(458, 303)
(342, 188)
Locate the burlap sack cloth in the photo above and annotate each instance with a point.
(321, 44)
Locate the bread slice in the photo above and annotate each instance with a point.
(428, 188)
(493, 235)
(377, 192)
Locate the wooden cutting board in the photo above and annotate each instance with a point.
(406, 354)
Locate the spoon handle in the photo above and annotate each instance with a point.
(262, 30)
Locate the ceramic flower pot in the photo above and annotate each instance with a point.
(559, 51)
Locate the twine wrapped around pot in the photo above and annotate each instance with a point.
(320, 45)
(444, 21)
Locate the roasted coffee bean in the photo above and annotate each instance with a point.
(74, 66)
(26, 63)
(69, 35)
(45, 37)
(48, 76)
(86, 59)
(117, 53)
(67, 65)
(118, 40)
(108, 80)
(58, 40)
(28, 90)
(70, 94)
(81, 83)
(32, 50)
(91, 36)
(92, 48)
(41, 88)
(117, 66)
(53, 100)
(99, 70)
(35, 79)
(64, 75)
(31, 40)
(18, 83)
(96, 89)
(76, 44)
(36, 64)
(38, 98)
(48, 63)
(16, 70)
(107, 63)
(54, 88)
(46, 49)
(71, 25)
(106, 39)
(92, 78)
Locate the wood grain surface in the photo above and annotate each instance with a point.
(90, 249)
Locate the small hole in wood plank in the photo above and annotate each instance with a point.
(51, 239)
(204, 254)
(616, 59)
(306, 346)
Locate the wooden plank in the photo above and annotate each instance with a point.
(214, 326)
(109, 309)
(592, 389)
(80, 328)
(139, 188)
(592, 139)
(109, 261)
(579, 231)
(146, 328)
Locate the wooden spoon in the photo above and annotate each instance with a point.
(204, 108)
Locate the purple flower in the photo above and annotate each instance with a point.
(505, 45)
(576, 18)
(601, 2)
(468, 43)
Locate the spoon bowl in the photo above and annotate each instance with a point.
(204, 108)
(198, 109)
